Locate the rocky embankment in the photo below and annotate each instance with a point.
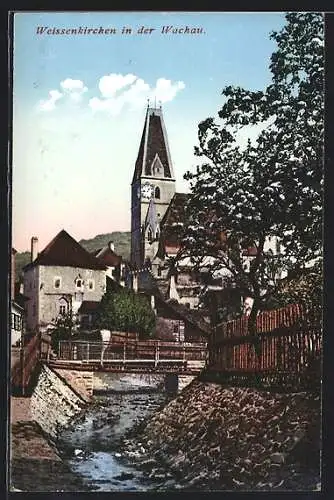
(35, 462)
(226, 438)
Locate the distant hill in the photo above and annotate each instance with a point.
(121, 240)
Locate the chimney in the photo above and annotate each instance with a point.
(172, 291)
(111, 246)
(34, 248)
(135, 282)
(12, 283)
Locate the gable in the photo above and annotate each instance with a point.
(157, 169)
(64, 250)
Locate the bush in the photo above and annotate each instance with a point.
(126, 311)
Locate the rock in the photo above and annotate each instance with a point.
(124, 476)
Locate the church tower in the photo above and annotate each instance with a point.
(152, 187)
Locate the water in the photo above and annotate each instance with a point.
(93, 443)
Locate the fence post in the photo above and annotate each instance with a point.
(22, 368)
(124, 352)
(184, 357)
(156, 354)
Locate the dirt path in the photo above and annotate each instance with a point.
(35, 463)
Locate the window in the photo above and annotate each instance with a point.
(78, 283)
(57, 282)
(62, 310)
(16, 322)
(157, 193)
(176, 328)
(90, 284)
(149, 235)
(63, 306)
(159, 271)
(34, 310)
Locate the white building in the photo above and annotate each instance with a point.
(59, 279)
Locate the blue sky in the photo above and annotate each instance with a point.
(80, 100)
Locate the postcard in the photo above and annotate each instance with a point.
(166, 256)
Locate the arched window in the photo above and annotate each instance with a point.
(149, 235)
(157, 193)
(63, 306)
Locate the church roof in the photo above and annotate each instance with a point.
(64, 250)
(174, 222)
(153, 142)
(151, 218)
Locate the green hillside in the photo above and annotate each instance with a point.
(120, 239)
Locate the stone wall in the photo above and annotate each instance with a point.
(80, 381)
(49, 296)
(136, 381)
(232, 438)
(53, 403)
(127, 381)
(185, 380)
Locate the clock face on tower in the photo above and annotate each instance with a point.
(147, 190)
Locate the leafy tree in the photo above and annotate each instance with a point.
(273, 186)
(126, 311)
(65, 326)
(305, 288)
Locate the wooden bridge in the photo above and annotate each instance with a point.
(131, 356)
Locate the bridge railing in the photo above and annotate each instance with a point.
(152, 350)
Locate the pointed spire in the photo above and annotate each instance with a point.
(153, 142)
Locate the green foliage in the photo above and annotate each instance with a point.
(121, 240)
(306, 288)
(126, 311)
(21, 260)
(65, 325)
(272, 186)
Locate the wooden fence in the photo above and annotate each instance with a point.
(23, 365)
(289, 348)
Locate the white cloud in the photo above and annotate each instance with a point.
(50, 104)
(70, 85)
(165, 90)
(113, 106)
(73, 88)
(110, 84)
(118, 90)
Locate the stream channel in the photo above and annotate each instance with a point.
(93, 445)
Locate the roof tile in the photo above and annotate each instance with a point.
(64, 250)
